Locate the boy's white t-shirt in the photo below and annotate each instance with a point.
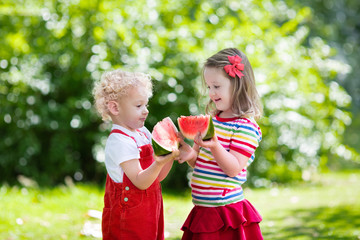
(120, 148)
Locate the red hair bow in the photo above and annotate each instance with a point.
(236, 66)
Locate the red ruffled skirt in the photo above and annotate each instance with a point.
(234, 221)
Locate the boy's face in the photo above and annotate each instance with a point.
(133, 108)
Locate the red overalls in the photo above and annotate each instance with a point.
(130, 213)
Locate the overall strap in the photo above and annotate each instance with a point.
(121, 132)
(143, 148)
(141, 133)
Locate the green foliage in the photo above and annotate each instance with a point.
(337, 22)
(53, 51)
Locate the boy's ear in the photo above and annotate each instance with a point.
(113, 107)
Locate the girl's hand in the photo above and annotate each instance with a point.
(187, 153)
(167, 158)
(210, 143)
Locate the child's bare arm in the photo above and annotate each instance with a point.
(165, 170)
(230, 162)
(142, 179)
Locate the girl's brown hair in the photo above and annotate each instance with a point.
(245, 98)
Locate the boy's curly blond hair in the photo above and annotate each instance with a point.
(115, 84)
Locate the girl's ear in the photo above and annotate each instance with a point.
(113, 107)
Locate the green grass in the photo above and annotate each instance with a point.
(329, 208)
(326, 208)
(58, 213)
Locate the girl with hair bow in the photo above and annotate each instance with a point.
(220, 164)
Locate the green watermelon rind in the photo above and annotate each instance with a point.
(211, 131)
(159, 150)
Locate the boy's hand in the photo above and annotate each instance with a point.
(169, 157)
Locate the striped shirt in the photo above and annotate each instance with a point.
(210, 186)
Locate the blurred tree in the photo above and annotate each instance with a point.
(338, 22)
(52, 51)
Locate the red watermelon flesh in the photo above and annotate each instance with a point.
(191, 125)
(164, 137)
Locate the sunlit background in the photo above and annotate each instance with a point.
(304, 54)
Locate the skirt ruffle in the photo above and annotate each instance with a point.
(233, 221)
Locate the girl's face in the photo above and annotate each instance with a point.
(220, 90)
(133, 108)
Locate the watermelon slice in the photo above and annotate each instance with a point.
(191, 125)
(164, 138)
